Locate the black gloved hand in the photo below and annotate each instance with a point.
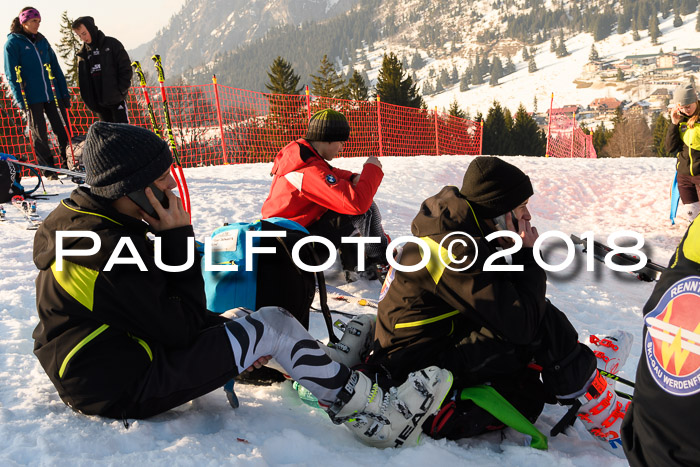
(66, 102)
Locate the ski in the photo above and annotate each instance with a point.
(341, 295)
(11, 159)
(649, 272)
(28, 210)
(176, 169)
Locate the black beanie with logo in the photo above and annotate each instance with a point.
(121, 158)
(328, 125)
(494, 187)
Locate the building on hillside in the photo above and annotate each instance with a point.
(570, 109)
(660, 98)
(677, 62)
(605, 104)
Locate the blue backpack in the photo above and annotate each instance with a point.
(274, 279)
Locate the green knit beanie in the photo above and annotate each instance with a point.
(328, 125)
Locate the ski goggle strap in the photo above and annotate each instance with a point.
(490, 400)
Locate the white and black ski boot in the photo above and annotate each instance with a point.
(356, 342)
(391, 418)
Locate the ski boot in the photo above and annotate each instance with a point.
(391, 418)
(611, 351)
(355, 344)
(689, 211)
(2, 212)
(601, 412)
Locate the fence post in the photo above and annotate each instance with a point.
(481, 137)
(437, 141)
(549, 126)
(379, 125)
(573, 135)
(308, 102)
(218, 116)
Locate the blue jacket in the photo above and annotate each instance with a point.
(19, 50)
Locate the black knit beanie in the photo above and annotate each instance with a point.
(328, 125)
(494, 187)
(121, 158)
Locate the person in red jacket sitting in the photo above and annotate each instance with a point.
(329, 202)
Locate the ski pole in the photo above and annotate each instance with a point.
(181, 182)
(20, 81)
(52, 79)
(142, 81)
(11, 159)
(616, 378)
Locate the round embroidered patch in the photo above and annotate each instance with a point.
(672, 343)
(330, 178)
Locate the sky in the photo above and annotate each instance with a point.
(272, 427)
(133, 22)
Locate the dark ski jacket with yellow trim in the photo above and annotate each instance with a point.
(99, 331)
(428, 313)
(686, 143)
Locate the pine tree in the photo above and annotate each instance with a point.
(464, 82)
(561, 49)
(283, 80)
(526, 55)
(444, 78)
(438, 86)
(68, 48)
(659, 128)
(496, 131)
(357, 88)
(510, 66)
(455, 111)
(534, 104)
(600, 139)
(327, 83)
(654, 31)
(454, 76)
(417, 61)
(428, 88)
(594, 53)
(496, 71)
(394, 87)
(620, 75)
(531, 65)
(553, 45)
(528, 138)
(677, 20)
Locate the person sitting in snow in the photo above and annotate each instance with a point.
(662, 423)
(683, 139)
(127, 339)
(330, 202)
(485, 325)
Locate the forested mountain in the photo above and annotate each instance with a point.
(238, 40)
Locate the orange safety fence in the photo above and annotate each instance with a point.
(215, 124)
(565, 138)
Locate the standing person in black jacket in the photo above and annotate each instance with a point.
(662, 423)
(104, 72)
(683, 139)
(131, 337)
(483, 324)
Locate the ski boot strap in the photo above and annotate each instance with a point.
(594, 391)
(343, 397)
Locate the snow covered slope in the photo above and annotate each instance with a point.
(272, 427)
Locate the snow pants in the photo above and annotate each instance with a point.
(39, 131)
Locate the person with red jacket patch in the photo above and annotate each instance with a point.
(329, 202)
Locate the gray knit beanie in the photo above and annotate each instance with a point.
(494, 187)
(685, 94)
(121, 158)
(328, 125)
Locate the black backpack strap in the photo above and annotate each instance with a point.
(323, 296)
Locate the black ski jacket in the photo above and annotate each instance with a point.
(686, 142)
(661, 425)
(115, 69)
(99, 330)
(426, 313)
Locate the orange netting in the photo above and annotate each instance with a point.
(214, 124)
(565, 138)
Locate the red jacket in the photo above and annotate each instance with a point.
(305, 186)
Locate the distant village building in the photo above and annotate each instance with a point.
(605, 104)
(660, 98)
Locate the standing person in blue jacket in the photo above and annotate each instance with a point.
(27, 48)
